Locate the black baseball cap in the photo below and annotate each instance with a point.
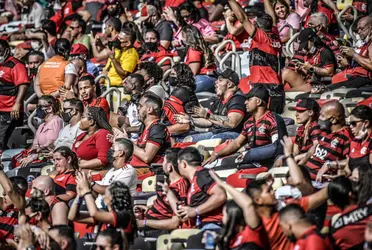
(230, 75)
(306, 104)
(259, 91)
(305, 36)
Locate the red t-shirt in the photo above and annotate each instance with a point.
(100, 102)
(13, 73)
(95, 147)
(312, 239)
(238, 40)
(65, 182)
(257, 236)
(361, 148)
(196, 56)
(157, 56)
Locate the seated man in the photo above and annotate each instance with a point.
(153, 136)
(261, 134)
(73, 110)
(88, 94)
(121, 171)
(205, 199)
(359, 71)
(319, 62)
(160, 215)
(334, 139)
(58, 207)
(225, 118)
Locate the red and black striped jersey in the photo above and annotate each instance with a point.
(331, 147)
(8, 218)
(258, 236)
(348, 230)
(305, 138)
(361, 6)
(161, 209)
(199, 192)
(265, 51)
(13, 73)
(260, 132)
(65, 182)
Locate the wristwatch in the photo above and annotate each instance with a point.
(92, 183)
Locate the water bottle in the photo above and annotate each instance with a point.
(209, 242)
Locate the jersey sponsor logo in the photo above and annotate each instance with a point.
(61, 178)
(321, 153)
(352, 217)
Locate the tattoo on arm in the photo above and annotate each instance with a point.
(219, 118)
(320, 71)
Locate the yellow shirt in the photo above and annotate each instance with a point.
(128, 60)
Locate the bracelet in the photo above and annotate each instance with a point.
(86, 194)
(196, 211)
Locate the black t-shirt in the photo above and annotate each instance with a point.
(234, 103)
(157, 133)
(325, 59)
(165, 30)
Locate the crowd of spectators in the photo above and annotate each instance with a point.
(143, 125)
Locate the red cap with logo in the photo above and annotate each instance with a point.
(78, 49)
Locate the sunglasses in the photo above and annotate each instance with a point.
(354, 123)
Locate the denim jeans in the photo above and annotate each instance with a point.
(204, 83)
(210, 135)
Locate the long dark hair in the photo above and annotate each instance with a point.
(235, 217)
(122, 201)
(185, 76)
(115, 236)
(67, 152)
(98, 115)
(364, 186)
(190, 7)
(194, 39)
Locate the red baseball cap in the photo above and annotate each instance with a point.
(25, 45)
(78, 49)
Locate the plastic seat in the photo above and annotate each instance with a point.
(149, 184)
(350, 103)
(47, 169)
(209, 144)
(181, 235)
(290, 113)
(164, 242)
(226, 173)
(291, 96)
(336, 94)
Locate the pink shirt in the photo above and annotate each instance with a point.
(292, 19)
(301, 10)
(203, 25)
(48, 132)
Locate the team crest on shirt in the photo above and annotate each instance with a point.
(334, 143)
(1, 73)
(262, 129)
(363, 151)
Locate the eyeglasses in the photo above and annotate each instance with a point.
(76, 27)
(354, 123)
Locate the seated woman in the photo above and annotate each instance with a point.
(117, 200)
(200, 59)
(65, 163)
(47, 133)
(181, 100)
(282, 15)
(154, 51)
(188, 14)
(92, 146)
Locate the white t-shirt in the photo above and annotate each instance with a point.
(126, 174)
(133, 116)
(37, 13)
(67, 135)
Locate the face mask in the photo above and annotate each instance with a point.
(112, 12)
(40, 113)
(151, 46)
(172, 81)
(325, 124)
(4, 56)
(115, 44)
(66, 116)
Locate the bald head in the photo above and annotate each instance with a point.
(44, 183)
(364, 27)
(334, 108)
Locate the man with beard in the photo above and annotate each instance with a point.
(152, 18)
(77, 31)
(88, 94)
(122, 171)
(153, 136)
(297, 227)
(160, 215)
(34, 60)
(151, 72)
(114, 9)
(123, 60)
(334, 140)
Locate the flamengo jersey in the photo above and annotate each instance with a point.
(161, 210)
(12, 74)
(8, 219)
(331, 147)
(305, 140)
(264, 58)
